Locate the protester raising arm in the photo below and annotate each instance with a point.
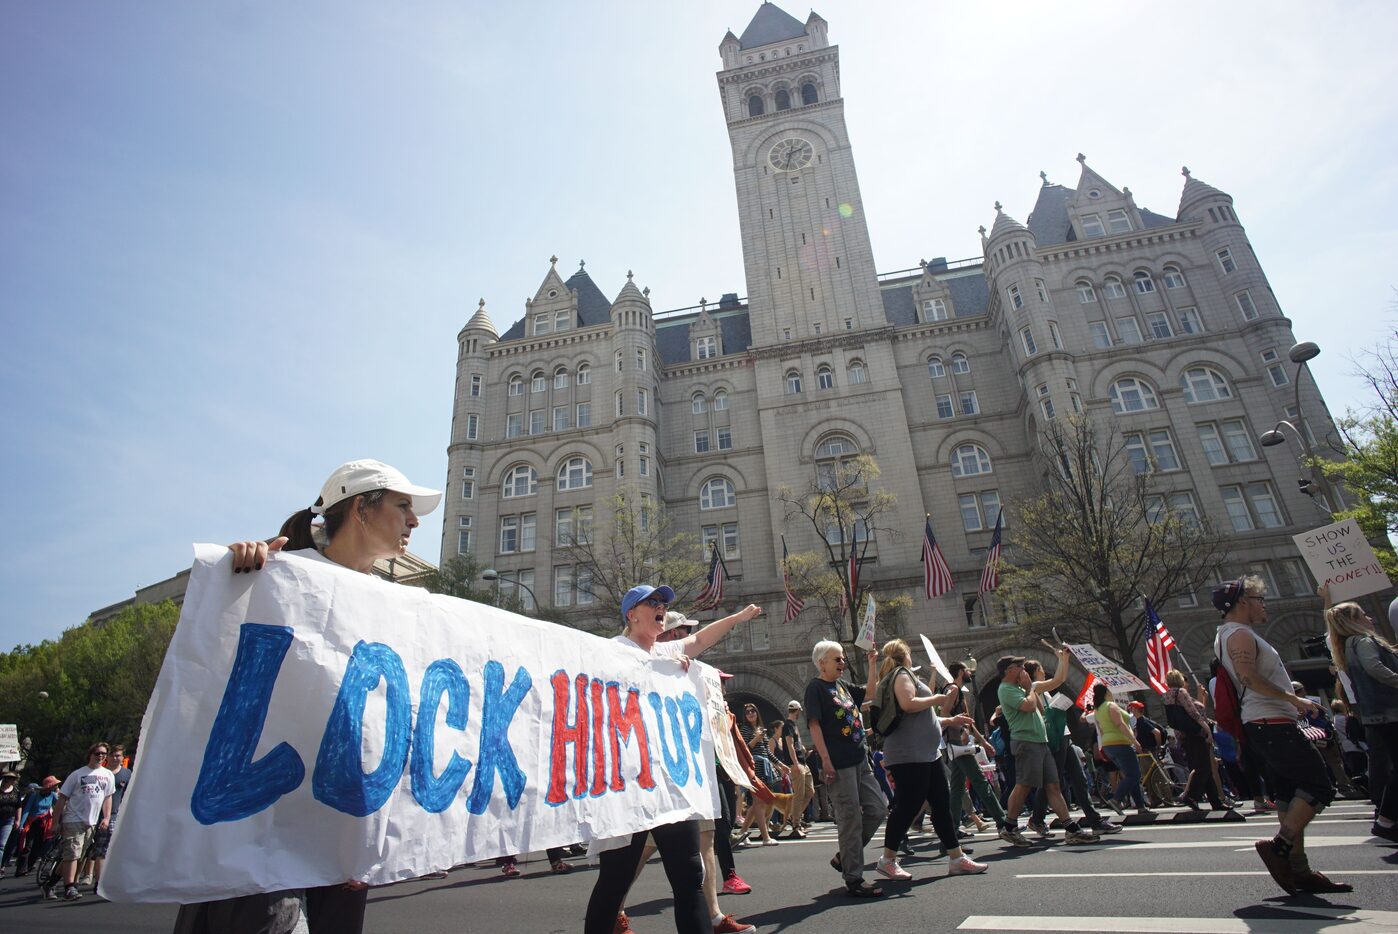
(699, 642)
(1060, 674)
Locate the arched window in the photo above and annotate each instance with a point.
(560, 378)
(1144, 283)
(825, 377)
(857, 373)
(717, 494)
(1086, 294)
(720, 400)
(1114, 287)
(1130, 394)
(793, 382)
(698, 404)
(935, 369)
(808, 93)
(538, 382)
(831, 454)
(1204, 384)
(959, 363)
(584, 374)
(783, 99)
(1174, 279)
(575, 474)
(520, 481)
(755, 107)
(516, 385)
(968, 460)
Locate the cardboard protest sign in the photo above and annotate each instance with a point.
(9, 742)
(940, 668)
(313, 725)
(1339, 555)
(1118, 679)
(717, 712)
(866, 631)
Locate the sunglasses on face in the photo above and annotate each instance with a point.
(655, 602)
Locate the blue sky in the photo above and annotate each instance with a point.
(237, 240)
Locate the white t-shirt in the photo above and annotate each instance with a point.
(85, 790)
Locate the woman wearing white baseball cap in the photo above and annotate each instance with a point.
(369, 511)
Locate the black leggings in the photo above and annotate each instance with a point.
(1201, 783)
(723, 827)
(1383, 748)
(679, 851)
(914, 783)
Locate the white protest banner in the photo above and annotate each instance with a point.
(936, 659)
(717, 711)
(9, 742)
(1118, 679)
(866, 630)
(313, 725)
(1339, 555)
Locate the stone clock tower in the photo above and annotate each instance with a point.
(810, 269)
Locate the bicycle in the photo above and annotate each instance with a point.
(1156, 782)
(48, 869)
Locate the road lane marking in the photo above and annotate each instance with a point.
(1309, 921)
(1199, 872)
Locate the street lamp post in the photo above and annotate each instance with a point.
(1301, 355)
(490, 575)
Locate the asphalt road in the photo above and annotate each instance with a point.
(1166, 877)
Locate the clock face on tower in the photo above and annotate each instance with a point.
(791, 154)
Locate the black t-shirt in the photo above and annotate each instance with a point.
(9, 804)
(835, 707)
(793, 729)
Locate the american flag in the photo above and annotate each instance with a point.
(990, 577)
(713, 591)
(1086, 693)
(936, 576)
(794, 604)
(1159, 642)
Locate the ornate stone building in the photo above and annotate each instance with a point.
(1165, 325)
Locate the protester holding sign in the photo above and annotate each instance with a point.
(913, 757)
(368, 511)
(1372, 666)
(643, 611)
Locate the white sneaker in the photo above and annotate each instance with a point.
(965, 866)
(889, 869)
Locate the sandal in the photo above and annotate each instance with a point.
(862, 889)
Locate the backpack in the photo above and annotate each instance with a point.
(884, 713)
(1228, 700)
(997, 742)
(1180, 721)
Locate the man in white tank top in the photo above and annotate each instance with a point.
(1294, 770)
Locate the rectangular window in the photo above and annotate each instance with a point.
(642, 401)
(969, 406)
(1092, 226)
(563, 527)
(560, 379)
(1182, 505)
(701, 442)
(944, 407)
(1264, 505)
(1026, 337)
(933, 309)
(1136, 452)
(536, 422)
(758, 633)
(1245, 305)
(1187, 601)
(1275, 371)
(620, 461)
(1046, 405)
(730, 540)
(1055, 338)
(641, 359)
(560, 418)
(1225, 261)
(1086, 295)
(706, 347)
(516, 387)
(582, 525)
(473, 427)
(1114, 287)
(463, 541)
(513, 424)
(475, 385)
(540, 383)
(1129, 330)
(1041, 289)
(1292, 576)
(725, 439)
(563, 585)
(619, 404)
(643, 468)
(509, 534)
(1239, 441)
(1101, 337)
(562, 320)
(1260, 569)
(541, 325)
(584, 414)
(1159, 325)
(583, 586)
(1016, 299)
(970, 512)
(510, 585)
(526, 532)
(1118, 222)
(990, 509)
(1144, 283)
(1237, 508)
(468, 483)
(1189, 321)
(974, 619)
(849, 324)
(1162, 448)
(1293, 415)
(1214, 450)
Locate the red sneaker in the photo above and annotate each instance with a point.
(623, 924)
(734, 884)
(731, 925)
(510, 870)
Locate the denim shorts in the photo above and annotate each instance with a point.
(1291, 764)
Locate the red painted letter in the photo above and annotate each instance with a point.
(624, 724)
(563, 734)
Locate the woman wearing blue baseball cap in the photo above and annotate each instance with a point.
(643, 610)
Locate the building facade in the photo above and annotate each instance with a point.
(944, 372)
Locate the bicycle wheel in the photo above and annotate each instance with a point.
(46, 869)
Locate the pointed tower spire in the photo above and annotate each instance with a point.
(481, 321)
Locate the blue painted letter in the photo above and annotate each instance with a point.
(495, 751)
(230, 785)
(694, 725)
(678, 764)
(339, 780)
(435, 793)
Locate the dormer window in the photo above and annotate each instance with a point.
(1092, 226)
(934, 309)
(706, 347)
(562, 320)
(1118, 221)
(541, 325)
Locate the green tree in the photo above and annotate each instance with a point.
(1103, 535)
(1367, 445)
(92, 684)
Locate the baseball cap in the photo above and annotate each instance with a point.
(1227, 594)
(365, 476)
(794, 705)
(640, 592)
(1007, 661)
(1135, 705)
(675, 619)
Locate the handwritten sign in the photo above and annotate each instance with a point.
(717, 710)
(866, 631)
(1339, 555)
(312, 725)
(9, 742)
(941, 669)
(1115, 677)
